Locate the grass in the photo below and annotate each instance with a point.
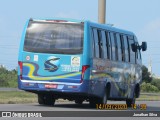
(149, 97)
(15, 97)
(20, 97)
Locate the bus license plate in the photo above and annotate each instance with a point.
(51, 85)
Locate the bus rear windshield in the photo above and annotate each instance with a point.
(55, 38)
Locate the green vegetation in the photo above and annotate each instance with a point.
(148, 87)
(149, 97)
(150, 84)
(14, 97)
(156, 82)
(19, 97)
(146, 76)
(8, 78)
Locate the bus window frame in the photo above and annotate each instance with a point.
(112, 42)
(105, 49)
(95, 40)
(126, 48)
(100, 43)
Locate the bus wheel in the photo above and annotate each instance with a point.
(130, 102)
(103, 100)
(78, 101)
(49, 100)
(41, 100)
(93, 102)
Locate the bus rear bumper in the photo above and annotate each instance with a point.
(54, 87)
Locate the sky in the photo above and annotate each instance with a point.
(139, 16)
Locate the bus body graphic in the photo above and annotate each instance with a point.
(79, 60)
(31, 70)
(52, 64)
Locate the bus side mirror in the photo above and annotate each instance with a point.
(144, 46)
(134, 47)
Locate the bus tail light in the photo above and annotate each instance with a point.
(20, 66)
(84, 68)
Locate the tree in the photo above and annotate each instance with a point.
(148, 87)
(8, 78)
(156, 82)
(146, 76)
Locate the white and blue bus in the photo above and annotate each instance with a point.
(80, 61)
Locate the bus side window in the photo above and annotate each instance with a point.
(100, 43)
(95, 36)
(126, 48)
(119, 47)
(123, 49)
(129, 51)
(116, 47)
(93, 43)
(105, 50)
(132, 54)
(113, 46)
(108, 45)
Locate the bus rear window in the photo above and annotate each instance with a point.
(56, 38)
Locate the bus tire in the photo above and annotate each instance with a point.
(103, 100)
(78, 101)
(93, 102)
(49, 100)
(130, 102)
(97, 101)
(41, 100)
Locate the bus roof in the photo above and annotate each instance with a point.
(93, 24)
(110, 28)
(57, 19)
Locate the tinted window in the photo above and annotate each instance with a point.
(119, 47)
(105, 53)
(96, 42)
(116, 46)
(60, 38)
(122, 46)
(100, 43)
(132, 54)
(126, 48)
(113, 46)
(108, 45)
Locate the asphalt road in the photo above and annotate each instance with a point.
(71, 106)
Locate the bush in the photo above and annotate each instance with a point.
(146, 76)
(156, 82)
(8, 78)
(148, 87)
